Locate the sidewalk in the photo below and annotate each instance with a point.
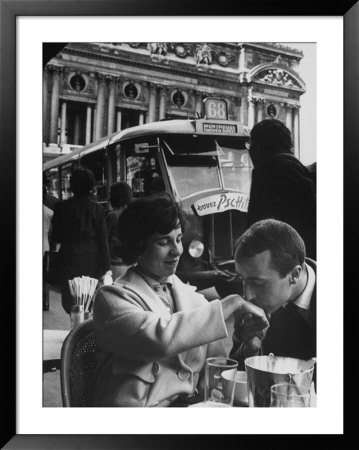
(54, 319)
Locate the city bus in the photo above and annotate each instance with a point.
(203, 163)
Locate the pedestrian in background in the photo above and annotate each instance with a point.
(49, 200)
(47, 214)
(282, 187)
(120, 197)
(79, 230)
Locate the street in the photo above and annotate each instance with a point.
(54, 319)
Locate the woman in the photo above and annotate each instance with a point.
(79, 229)
(154, 332)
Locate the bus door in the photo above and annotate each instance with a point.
(143, 171)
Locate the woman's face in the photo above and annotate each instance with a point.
(161, 255)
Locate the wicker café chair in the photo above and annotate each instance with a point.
(78, 366)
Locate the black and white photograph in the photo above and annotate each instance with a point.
(190, 182)
(179, 225)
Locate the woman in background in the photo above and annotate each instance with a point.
(79, 230)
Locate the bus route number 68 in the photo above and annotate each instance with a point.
(216, 109)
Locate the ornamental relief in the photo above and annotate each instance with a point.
(204, 54)
(277, 77)
(179, 99)
(77, 82)
(131, 91)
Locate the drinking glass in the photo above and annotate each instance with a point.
(217, 390)
(289, 395)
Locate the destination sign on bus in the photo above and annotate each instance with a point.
(221, 202)
(219, 128)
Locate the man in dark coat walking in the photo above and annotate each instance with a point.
(282, 187)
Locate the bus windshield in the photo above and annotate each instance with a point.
(202, 164)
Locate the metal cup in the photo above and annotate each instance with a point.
(264, 371)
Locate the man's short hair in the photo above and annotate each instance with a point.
(120, 194)
(273, 136)
(82, 181)
(283, 241)
(144, 217)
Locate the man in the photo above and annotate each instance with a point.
(282, 187)
(49, 200)
(270, 260)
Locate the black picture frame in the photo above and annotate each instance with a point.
(10, 9)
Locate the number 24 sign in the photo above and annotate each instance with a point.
(216, 109)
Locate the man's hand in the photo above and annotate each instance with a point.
(253, 332)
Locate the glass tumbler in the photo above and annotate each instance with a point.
(219, 391)
(77, 315)
(289, 395)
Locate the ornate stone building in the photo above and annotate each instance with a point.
(94, 89)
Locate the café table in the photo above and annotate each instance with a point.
(51, 350)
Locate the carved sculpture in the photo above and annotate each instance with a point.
(204, 55)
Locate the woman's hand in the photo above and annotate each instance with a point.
(237, 306)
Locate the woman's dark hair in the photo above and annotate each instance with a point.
(120, 194)
(82, 181)
(144, 217)
(271, 136)
(286, 246)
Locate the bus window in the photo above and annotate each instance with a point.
(66, 171)
(236, 167)
(194, 179)
(143, 173)
(53, 182)
(202, 164)
(96, 161)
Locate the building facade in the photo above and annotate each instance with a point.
(91, 90)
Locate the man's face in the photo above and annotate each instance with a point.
(262, 284)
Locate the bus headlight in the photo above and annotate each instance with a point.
(195, 249)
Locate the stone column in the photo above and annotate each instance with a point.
(162, 112)
(94, 134)
(100, 107)
(77, 130)
(296, 131)
(152, 103)
(118, 120)
(111, 107)
(259, 110)
(251, 110)
(141, 118)
(55, 95)
(288, 117)
(45, 103)
(244, 106)
(63, 139)
(199, 104)
(88, 124)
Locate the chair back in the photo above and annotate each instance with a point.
(78, 366)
